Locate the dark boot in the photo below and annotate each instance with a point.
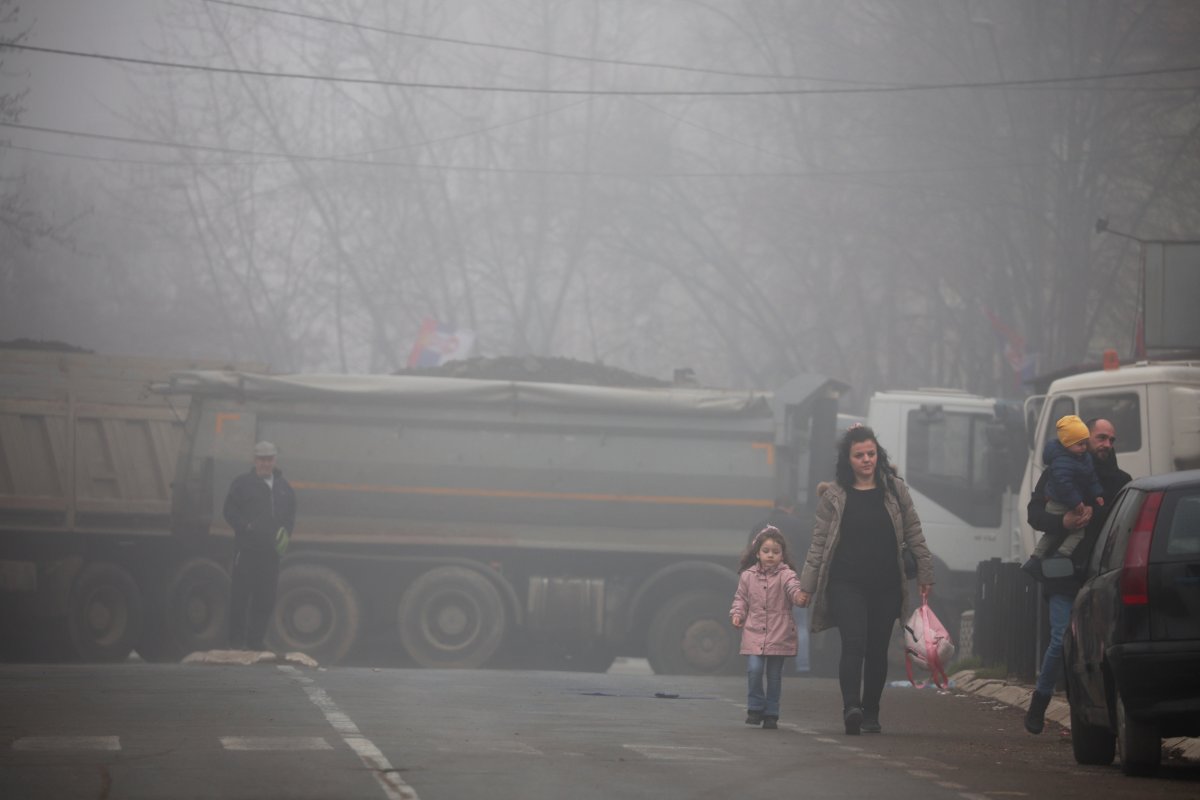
(853, 717)
(770, 723)
(754, 717)
(870, 722)
(1033, 568)
(1035, 718)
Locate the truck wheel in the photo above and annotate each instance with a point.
(1091, 744)
(1138, 742)
(691, 635)
(190, 612)
(316, 612)
(451, 617)
(104, 613)
(580, 658)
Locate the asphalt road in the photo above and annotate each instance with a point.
(173, 731)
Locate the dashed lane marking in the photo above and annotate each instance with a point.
(249, 743)
(673, 753)
(54, 743)
(950, 785)
(921, 773)
(385, 774)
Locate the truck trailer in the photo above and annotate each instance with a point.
(88, 566)
(464, 521)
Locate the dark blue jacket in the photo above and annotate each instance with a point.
(1072, 477)
(256, 512)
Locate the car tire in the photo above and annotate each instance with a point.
(1091, 744)
(1138, 742)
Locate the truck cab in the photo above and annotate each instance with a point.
(1154, 406)
(961, 455)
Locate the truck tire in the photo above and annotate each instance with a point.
(104, 613)
(1091, 744)
(189, 612)
(316, 612)
(451, 617)
(691, 635)
(1138, 742)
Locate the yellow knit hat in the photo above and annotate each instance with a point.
(1071, 430)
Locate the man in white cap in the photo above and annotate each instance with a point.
(261, 509)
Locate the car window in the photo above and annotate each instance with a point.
(1123, 410)
(1183, 535)
(1059, 408)
(1115, 534)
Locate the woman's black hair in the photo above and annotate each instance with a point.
(883, 467)
(750, 554)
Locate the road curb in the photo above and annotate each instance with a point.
(1059, 711)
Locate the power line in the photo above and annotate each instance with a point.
(279, 158)
(533, 50)
(613, 92)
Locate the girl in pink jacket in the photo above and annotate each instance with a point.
(762, 608)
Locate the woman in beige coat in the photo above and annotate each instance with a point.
(853, 577)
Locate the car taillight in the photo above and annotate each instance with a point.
(1136, 571)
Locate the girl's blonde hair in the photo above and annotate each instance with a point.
(750, 554)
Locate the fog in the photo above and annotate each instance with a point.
(895, 194)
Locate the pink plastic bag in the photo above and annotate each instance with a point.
(927, 642)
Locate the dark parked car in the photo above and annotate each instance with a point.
(1133, 647)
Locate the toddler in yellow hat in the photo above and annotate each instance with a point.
(1072, 481)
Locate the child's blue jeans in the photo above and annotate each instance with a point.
(770, 667)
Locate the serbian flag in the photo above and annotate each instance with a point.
(437, 343)
(1013, 344)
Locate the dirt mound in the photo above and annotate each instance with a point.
(38, 344)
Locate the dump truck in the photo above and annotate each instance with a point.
(88, 566)
(454, 522)
(463, 521)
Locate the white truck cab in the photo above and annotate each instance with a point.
(961, 456)
(1154, 406)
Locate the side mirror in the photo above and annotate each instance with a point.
(1058, 567)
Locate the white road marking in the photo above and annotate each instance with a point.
(48, 743)
(673, 753)
(851, 748)
(934, 762)
(871, 755)
(385, 774)
(274, 743)
(827, 740)
(920, 773)
(516, 748)
(949, 785)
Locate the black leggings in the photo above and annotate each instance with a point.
(865, 616)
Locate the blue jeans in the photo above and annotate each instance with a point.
(772, 667)
(801, 616)
(1060, 617)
